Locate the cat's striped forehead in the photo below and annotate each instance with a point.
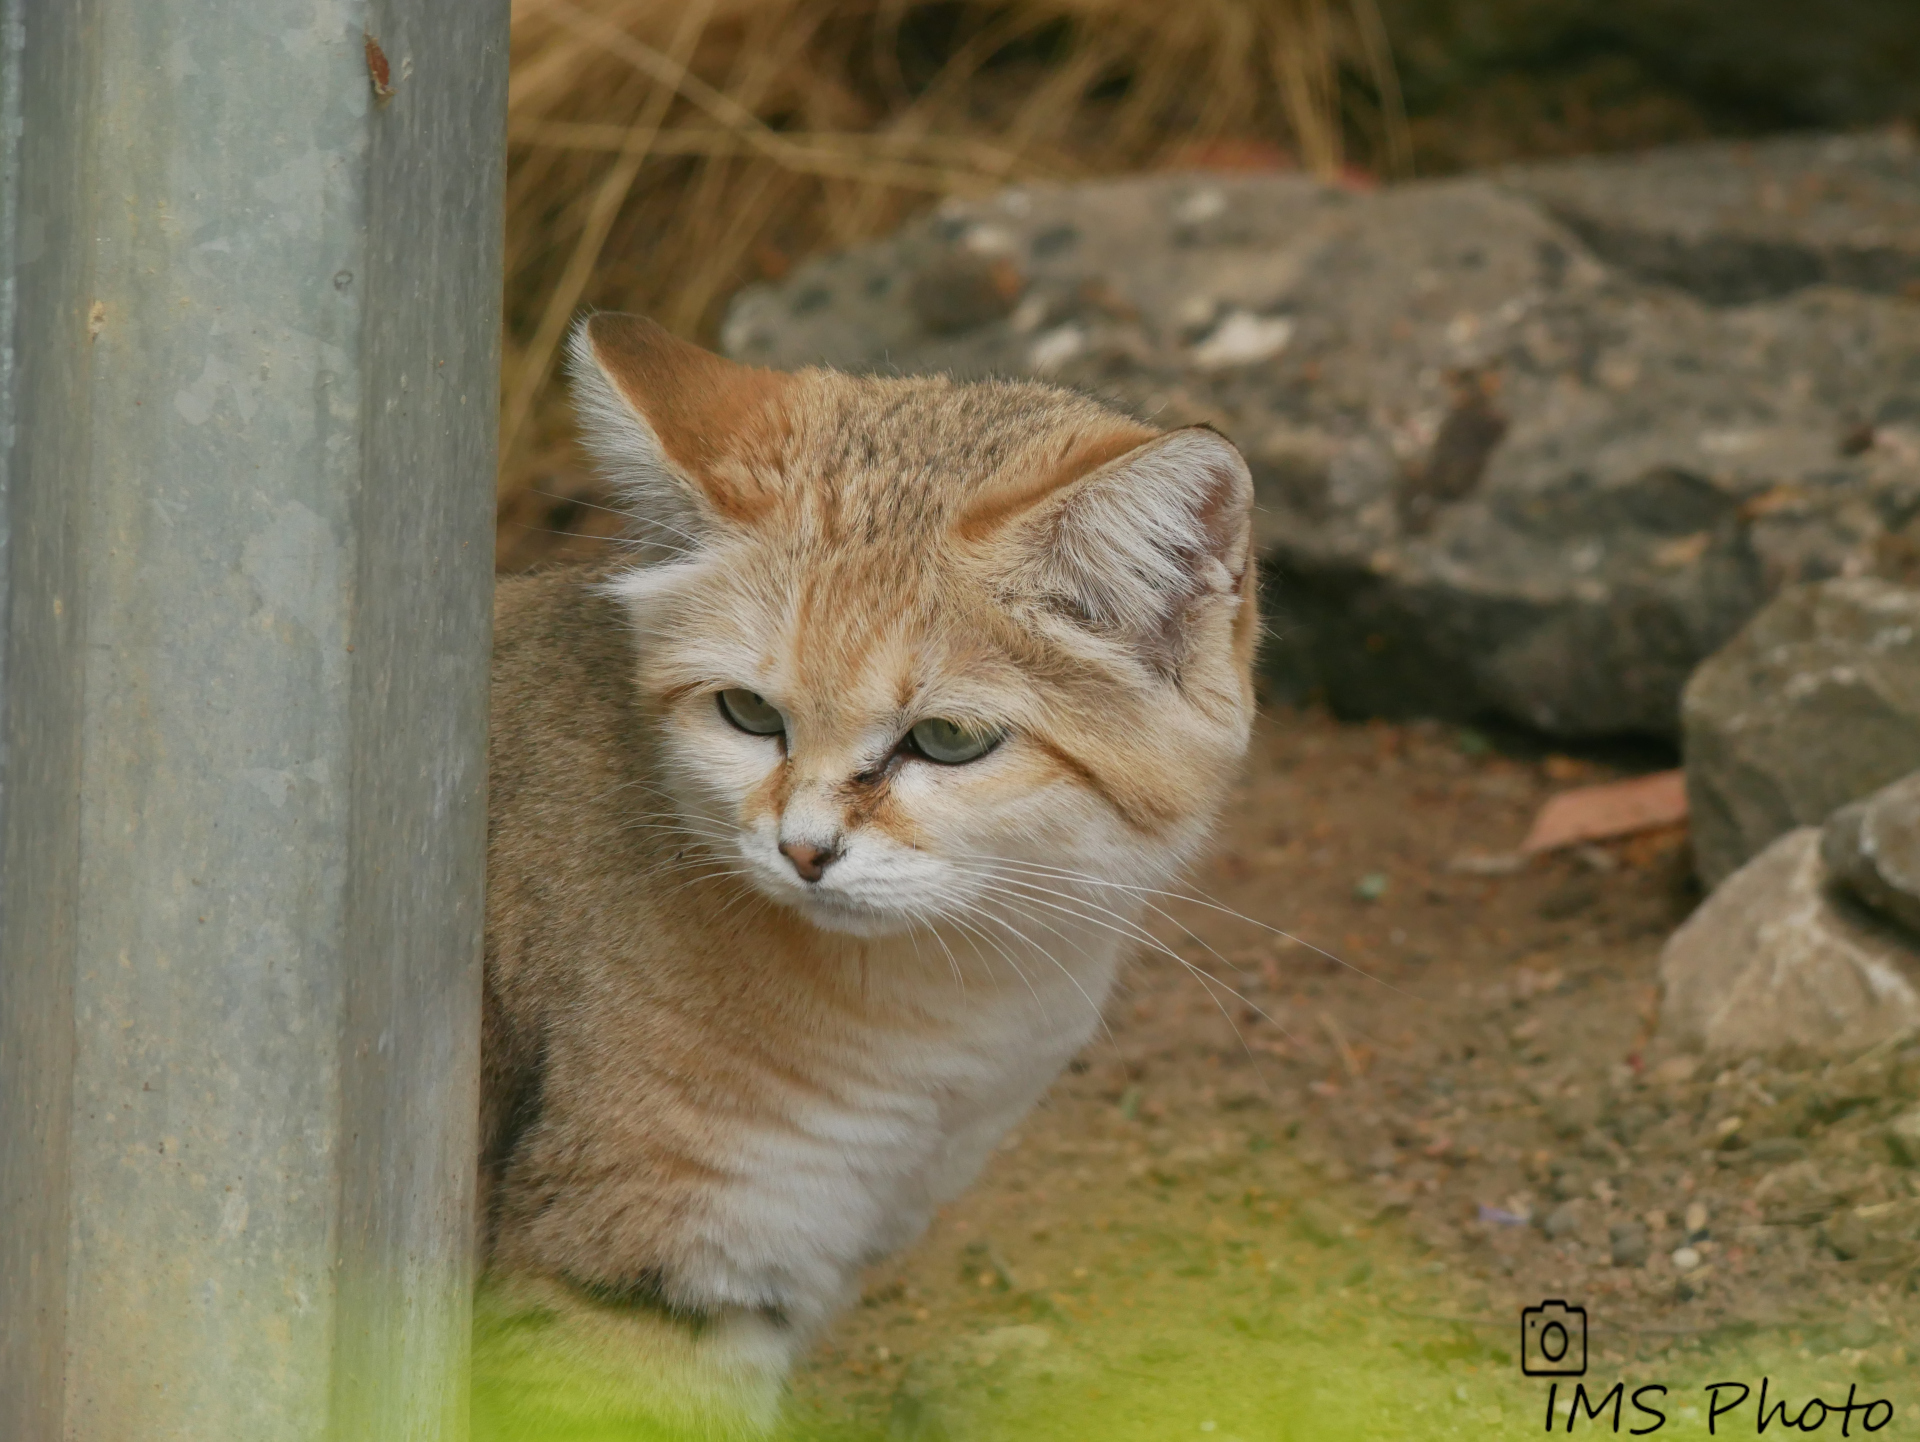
(852, 463)
(869, 551)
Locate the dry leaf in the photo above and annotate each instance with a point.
(1600, 813)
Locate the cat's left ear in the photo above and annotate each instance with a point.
(677, 428)
(1136, 546)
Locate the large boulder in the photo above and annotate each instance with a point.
(1732, 223)
(1872, 848)
(1505, 461)
(1777, 961)
(1814, 704)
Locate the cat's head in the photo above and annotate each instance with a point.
(922, 649)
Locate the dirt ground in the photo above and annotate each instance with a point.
(1386, 1086)
(1281, 1166)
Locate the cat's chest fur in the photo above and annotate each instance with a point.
(896, 1120)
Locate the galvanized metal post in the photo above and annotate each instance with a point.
(249, 284)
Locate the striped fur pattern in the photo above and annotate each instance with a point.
(717, 1088)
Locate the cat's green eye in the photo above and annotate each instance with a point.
(950, 743)
(750, 711)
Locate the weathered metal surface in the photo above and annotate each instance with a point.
(47, 282)
(245, 715)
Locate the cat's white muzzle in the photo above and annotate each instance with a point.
(873, 888)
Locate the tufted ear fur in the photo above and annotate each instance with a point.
(1134, 548)
(683, 433)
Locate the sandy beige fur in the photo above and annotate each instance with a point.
(716, 1089)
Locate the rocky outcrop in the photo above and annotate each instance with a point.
(1733, 224)
(1533, 443)
(1814, 704)
(1776, 960)
(1872, 848)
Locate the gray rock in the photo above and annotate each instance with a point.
(1563, 1221)
(1776, 960)
(1567, 1183)
(1771, 1151)
(1498, 469)
(1872, 847)
(1629, 1244)
(959, 292)
(1733, 222)
(1812, 705)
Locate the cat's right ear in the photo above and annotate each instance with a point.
(689, 438)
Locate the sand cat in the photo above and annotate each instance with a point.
(817, 832)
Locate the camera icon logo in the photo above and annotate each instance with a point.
(1553, 1340)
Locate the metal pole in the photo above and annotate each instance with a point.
(249, 279)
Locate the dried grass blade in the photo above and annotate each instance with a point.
(612, 194)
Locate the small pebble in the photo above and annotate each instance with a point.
(1197, 312)
(1370, 887)
(1686, 1259)
(1696, 1217)
(1628, 1244)
(1674, 1071)
(1475, 863)
(1056, 348)
(1596, 859)
(1562, 1221)
(1201, 206)
(1029, 315)
(1243, 338)
(990, 240)
(959, 292)
(1777, 1149)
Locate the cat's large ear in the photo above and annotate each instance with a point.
(683, 433)
(1134, 547)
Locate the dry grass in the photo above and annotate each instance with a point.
(665, 152)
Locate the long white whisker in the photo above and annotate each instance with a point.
(1028, 942)
(1156, 910)
(1067, 937)
(679, 829)
(1206, 980)
(1138, 933)
(1005, 956)
(1201, 899)
(1133, 931)
(953, 962)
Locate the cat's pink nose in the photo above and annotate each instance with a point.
(810, 861)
